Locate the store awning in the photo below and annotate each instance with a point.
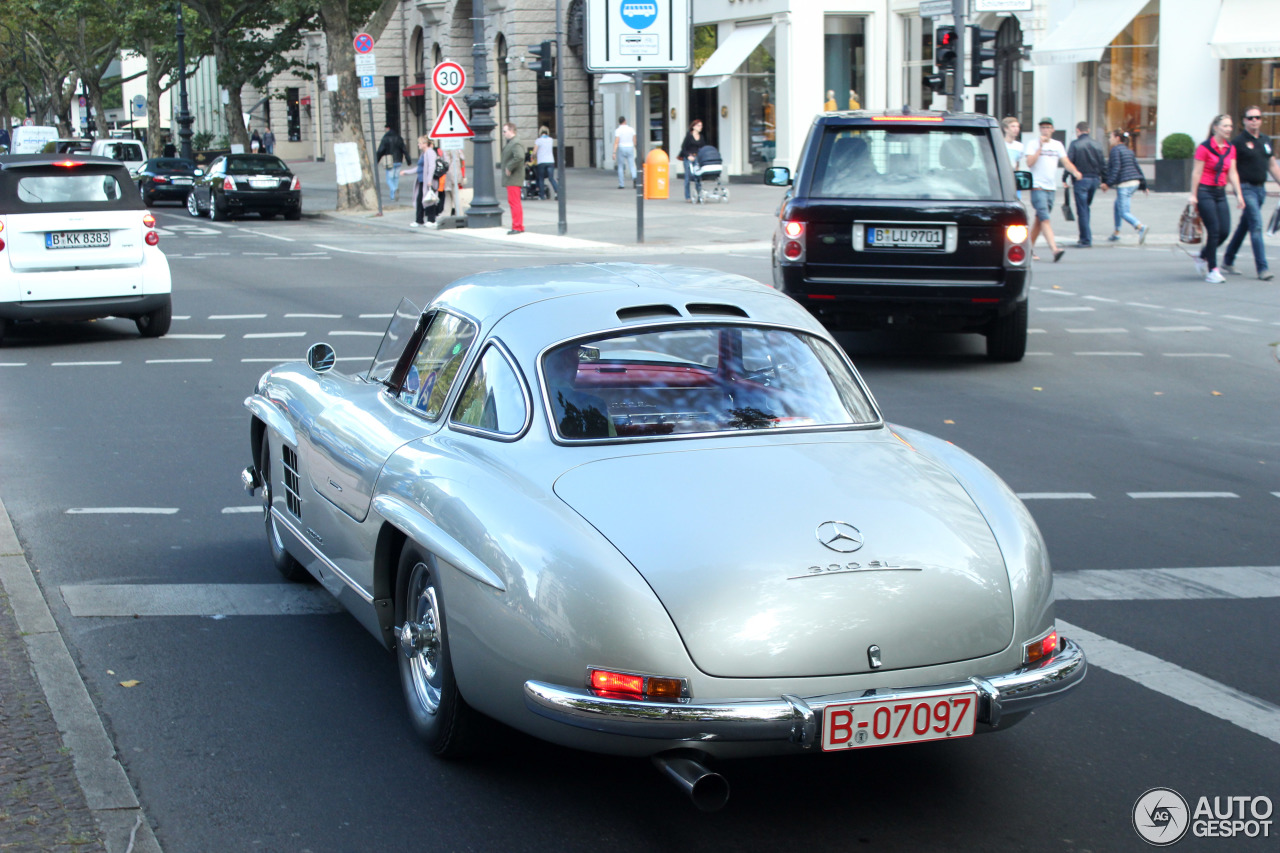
(1247, 29)
(725, 61)
(1087, 31)
(417, 90)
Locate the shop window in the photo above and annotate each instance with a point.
(844, 61)
(759, 73)
(918, 49)
(1122, 85)
(294, 114)
(1255, 82)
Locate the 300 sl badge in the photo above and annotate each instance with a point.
(845, 568)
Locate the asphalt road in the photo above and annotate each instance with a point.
(1141, 429)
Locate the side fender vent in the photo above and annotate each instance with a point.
(292, 482)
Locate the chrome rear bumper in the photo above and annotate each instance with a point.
(790, 718)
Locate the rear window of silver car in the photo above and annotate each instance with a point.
(688, 380)
(68, 188)
(896, 162)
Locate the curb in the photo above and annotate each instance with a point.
(106, 788)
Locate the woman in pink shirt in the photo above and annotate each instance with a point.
(1214, 170)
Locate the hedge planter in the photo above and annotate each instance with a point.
(1173, 176)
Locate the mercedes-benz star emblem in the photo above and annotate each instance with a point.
(839, 536)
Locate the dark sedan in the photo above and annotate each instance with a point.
(246, 183)
(166, 179)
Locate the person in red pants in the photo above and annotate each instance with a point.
(513, 176)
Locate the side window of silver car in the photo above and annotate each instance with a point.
(494, 399)
(438, 360)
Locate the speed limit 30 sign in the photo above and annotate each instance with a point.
(448, 78)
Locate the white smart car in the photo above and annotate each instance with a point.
(77, 243)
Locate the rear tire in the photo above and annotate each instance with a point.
(1007, 335)
(439, 714)
(157, 322)
(293, 215)
(193, 203)
(216, 212)
(4, 327)
(284, 562)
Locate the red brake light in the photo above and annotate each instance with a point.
(1017, 254)
(617, 682)
(152, 238)
(149, 220)
(792, 250)
(906, 118)
(159, 179)
(66, 164)
(295, 184)
(1041, 648)
(228, 184)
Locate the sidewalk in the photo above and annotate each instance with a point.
(601, 218)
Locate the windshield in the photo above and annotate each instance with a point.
(245, 164)
(684, 380)
(906, 163)
(403, 323)
(169, 164)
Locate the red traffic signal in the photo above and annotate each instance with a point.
(944, 47)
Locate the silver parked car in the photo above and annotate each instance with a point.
(654, 511)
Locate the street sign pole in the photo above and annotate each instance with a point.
(957, 97)
(640, 143)
(373, 157)
(561, 225)
(366, 68)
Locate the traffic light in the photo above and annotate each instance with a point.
(944, 48)
(936, 82)
(980, 56)
(541, 60)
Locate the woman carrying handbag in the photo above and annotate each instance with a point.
(1213, 172)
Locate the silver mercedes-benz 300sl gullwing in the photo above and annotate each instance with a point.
(650, 510)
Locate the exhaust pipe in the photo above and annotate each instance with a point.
(709, 791)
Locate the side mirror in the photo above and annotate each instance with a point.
(1023, 179)
(199, 172)
(321, 358)
(777, 176)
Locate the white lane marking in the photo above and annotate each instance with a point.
(313, 316)
(259, 254)
(1146, 305)
(233, 510)
(13, 364)
(309, 253)
(1167, 584)
(197, 599)
(303, 258)
(1037, 331)
(1064, 308)
(84, 363)
(1214, 698)
(375, 316)
(181, 317)
(1195, 311)
(1277, 494)
(339, 333)
(1196, 355)
(1055, 496)
(348, 251)
(122, 510)
(1101, 299)
(179, 360)
(365, 358)
(1178, 329)
(268, 234)
(1108, 353)
(1241, 319)
(1098, 331)
(183, 336)
(260, 335)
(237, 316)
(1175, 495)
(1056, 292)
(276, 360)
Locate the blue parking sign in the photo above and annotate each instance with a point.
(366, 81)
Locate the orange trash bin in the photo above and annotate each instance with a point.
(656, 178)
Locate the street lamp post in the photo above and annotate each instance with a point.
(484, 211)
(184, 116)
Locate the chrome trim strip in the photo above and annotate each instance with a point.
(790, 718)
(421, 529)
(328, 564)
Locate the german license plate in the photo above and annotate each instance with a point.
(879, 722)
(903, 237)
(77, 239)
(263, 183)
(182, 180)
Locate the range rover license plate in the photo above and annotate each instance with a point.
(880, 722)
(903, 237)
(77, 239)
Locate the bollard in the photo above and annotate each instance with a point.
(656, 184)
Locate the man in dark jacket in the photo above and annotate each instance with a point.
(392, 148)
(1092, 163)
(512, 163)
(1255, 157)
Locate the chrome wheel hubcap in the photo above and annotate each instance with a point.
(419, 639)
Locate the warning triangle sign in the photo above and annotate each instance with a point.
(451, 123)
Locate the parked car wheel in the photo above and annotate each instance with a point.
(293, 215)
(157, 322)
(4, 327)
(440, 716)
(1007, 336)
(217, 212)
(193, 204)
(284, 562)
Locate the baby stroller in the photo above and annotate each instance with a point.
(707, 174)
(529, 190)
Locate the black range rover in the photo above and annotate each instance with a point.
(907, 220)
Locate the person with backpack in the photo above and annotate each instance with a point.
(1213, 171)
(1126, 176)
(391, 154)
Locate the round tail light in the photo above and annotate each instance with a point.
(149, 220)
(1017, 254)
(152, 238)
(792, 250)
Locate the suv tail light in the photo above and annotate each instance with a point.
(793, 239)
(229, 184)
(295, 184)
(1015, 240)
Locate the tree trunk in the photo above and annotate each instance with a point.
(155, 145)
(345, 104)
(233, 110)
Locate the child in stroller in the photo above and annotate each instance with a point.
(707, 176)
(529, 190)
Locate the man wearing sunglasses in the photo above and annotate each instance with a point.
(1255, 157)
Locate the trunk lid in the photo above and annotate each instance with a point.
(30, 244)
(728, 538)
